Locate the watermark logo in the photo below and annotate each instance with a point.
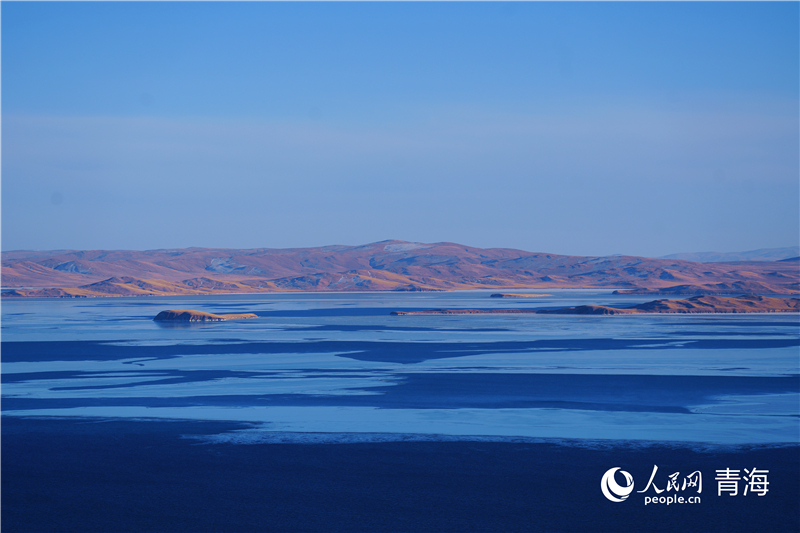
(674, 489)
(613, 490)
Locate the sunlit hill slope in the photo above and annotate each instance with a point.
(383, 266)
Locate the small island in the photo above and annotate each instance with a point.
(697, 304)
(190, 315)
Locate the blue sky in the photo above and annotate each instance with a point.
(575, 128)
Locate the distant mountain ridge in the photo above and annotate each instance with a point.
(763, 254)
(387, 265)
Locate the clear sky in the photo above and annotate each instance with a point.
(574, 128)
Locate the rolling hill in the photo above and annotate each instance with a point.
(388, 265)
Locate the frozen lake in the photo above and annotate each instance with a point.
(338, 367)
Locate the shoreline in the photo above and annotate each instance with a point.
(4, 296)
(705, 304)
(533, 312)
(5, 290)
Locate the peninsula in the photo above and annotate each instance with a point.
(697, 304)
(518, 295)
(190, 315)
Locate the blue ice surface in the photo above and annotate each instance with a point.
(340, 364)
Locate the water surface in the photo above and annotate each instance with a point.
(339, 364)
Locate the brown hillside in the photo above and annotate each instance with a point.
(190, 315)
(387, 265)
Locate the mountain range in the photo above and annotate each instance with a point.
(387, 265)
(763, 254)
